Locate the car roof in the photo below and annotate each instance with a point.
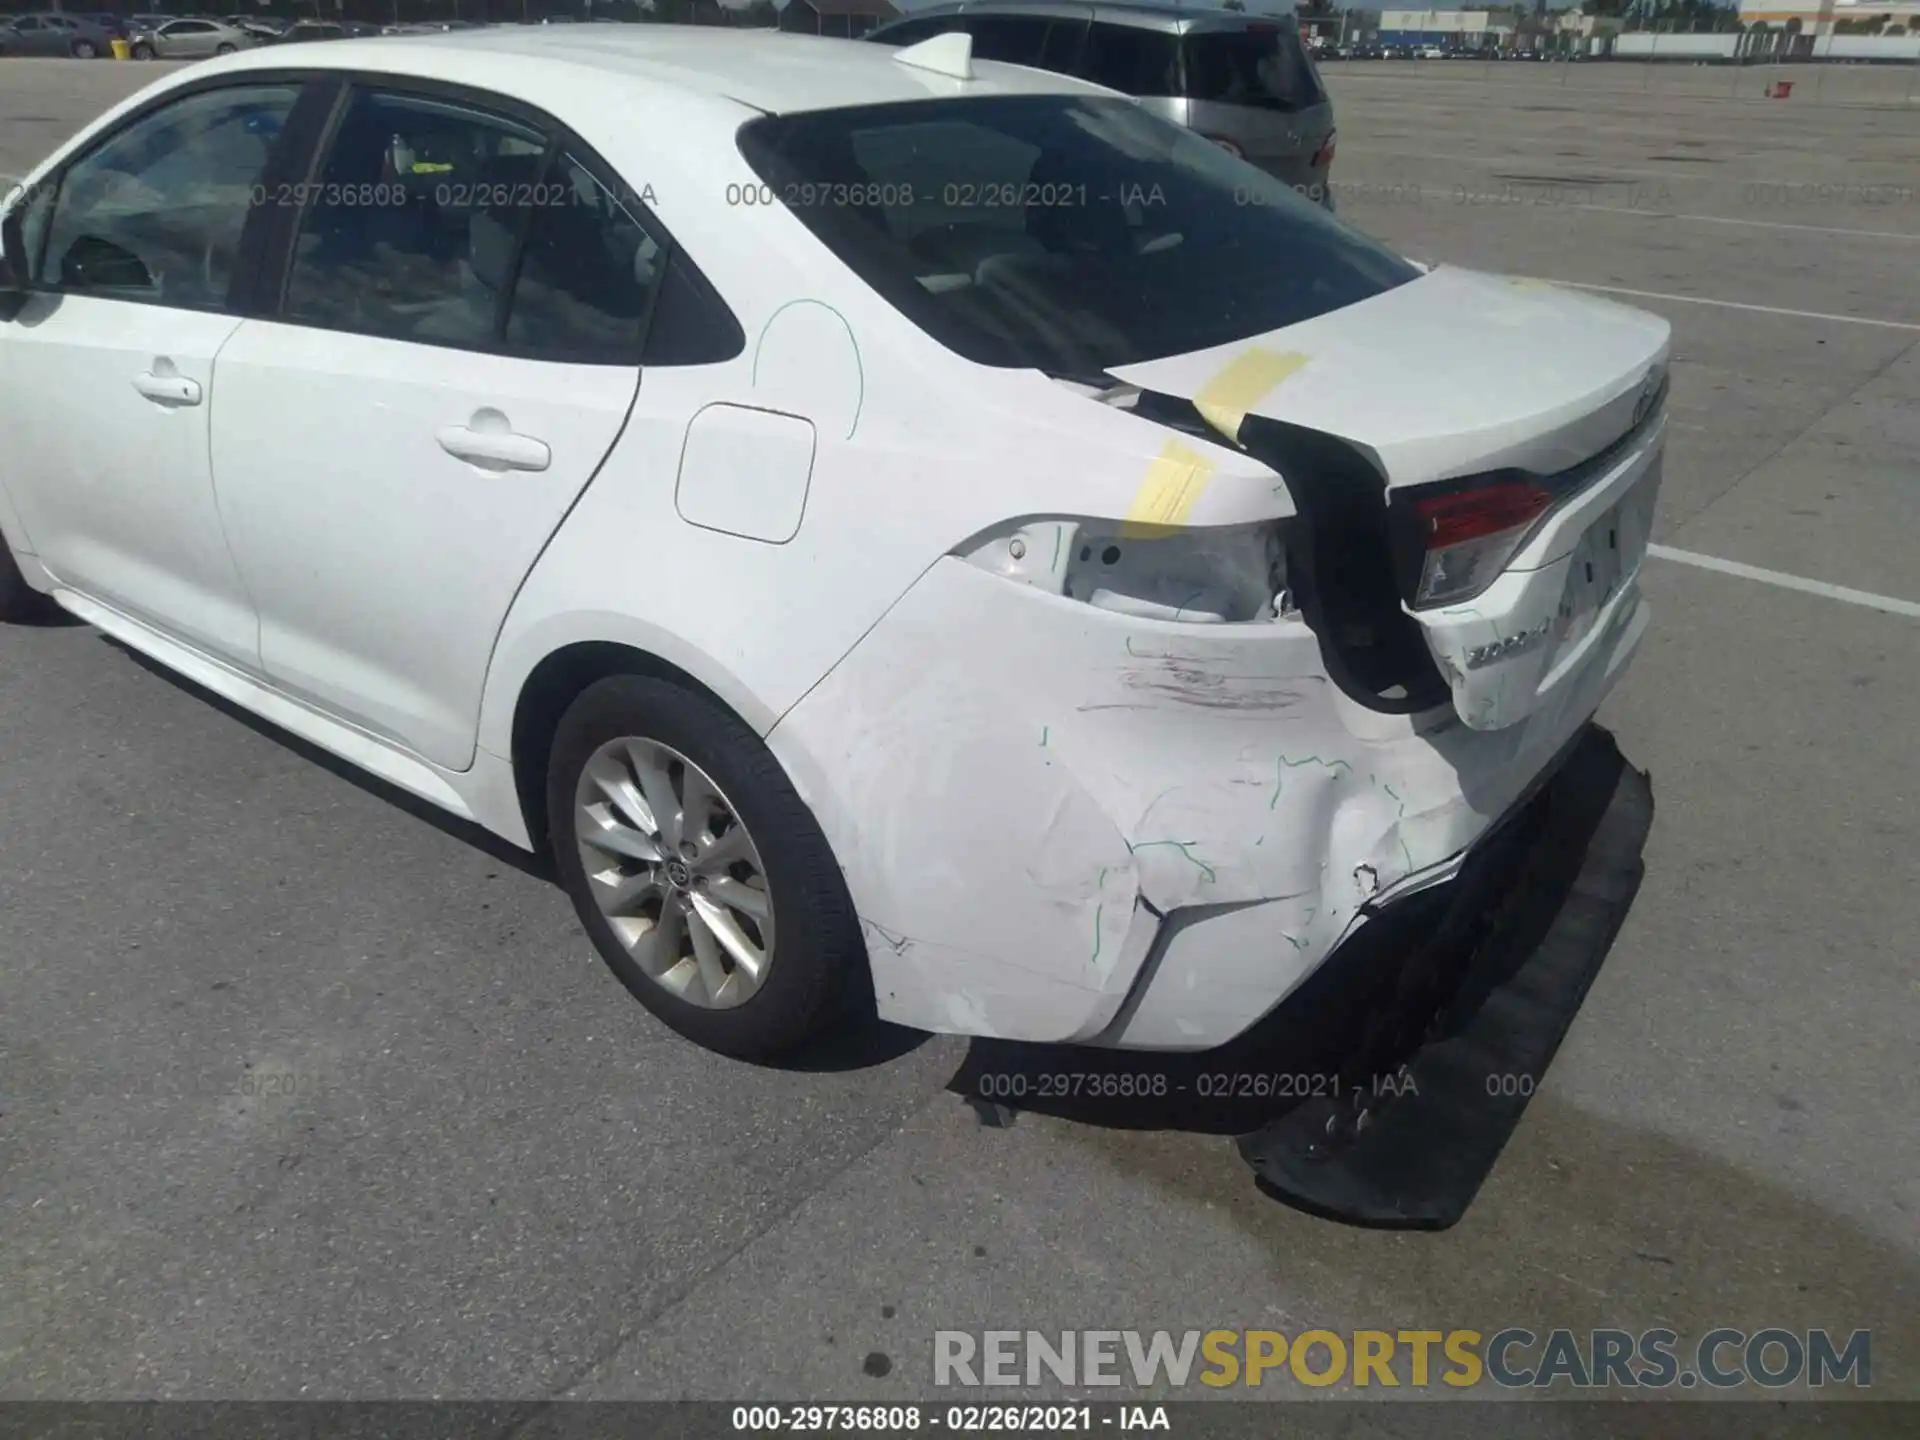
(767, 70)
(1132, 14)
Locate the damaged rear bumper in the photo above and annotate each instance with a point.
(1063, 824)
(1434, 1081)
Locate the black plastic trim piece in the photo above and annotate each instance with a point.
(1342, 533)
(1413, 1135)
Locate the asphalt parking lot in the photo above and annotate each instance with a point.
(486, 1172)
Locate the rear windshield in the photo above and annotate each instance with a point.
(1065, 233)
(1261, 67)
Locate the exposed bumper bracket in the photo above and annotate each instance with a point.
(1408, 1143)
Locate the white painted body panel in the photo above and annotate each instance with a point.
(112, 485)
(1454, 373)
(1459, 373)
(1018, 786)
(382, 565)
(1006, 775)
(896, 483)
(746, 472)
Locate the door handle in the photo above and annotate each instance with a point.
(490, 450)
(167, 389)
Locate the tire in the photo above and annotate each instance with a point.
(223, 48)
(814, 959)
(84, 50)
(18, 600)
(143, 51)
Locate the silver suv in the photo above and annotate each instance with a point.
(1243, 81)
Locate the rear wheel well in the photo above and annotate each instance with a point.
(556, 682)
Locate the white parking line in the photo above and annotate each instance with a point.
(1913, 325)
(1752, 224)
(1788, 582)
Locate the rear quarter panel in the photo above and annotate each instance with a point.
(918, 450)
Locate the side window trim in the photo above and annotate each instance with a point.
(503, 306)
(276, 259)
(276, 265)
(268, 241)
(249, 254)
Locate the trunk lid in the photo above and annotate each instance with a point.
(1449, 377)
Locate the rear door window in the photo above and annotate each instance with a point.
(912, 32)
(1061, 49)
(1016, 39)
(1133, 61)
(587, 275)
(1260, 66)
(411, 229)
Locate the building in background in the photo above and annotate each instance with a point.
(1833, 17)
(845, 19)
(1449, 29)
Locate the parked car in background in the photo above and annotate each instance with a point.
(1244, 82)
(261, 27)
(324, 30)
(50, 33)
(189, 39)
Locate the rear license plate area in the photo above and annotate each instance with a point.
(1608, 557)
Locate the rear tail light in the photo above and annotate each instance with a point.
(1467, 536)
(1324, 155)
(1228, 146)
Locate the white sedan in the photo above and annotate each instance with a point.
(877, 519)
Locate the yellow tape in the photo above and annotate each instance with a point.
(1244, 383)
(1174, 481)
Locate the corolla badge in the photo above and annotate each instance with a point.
(1480, 656)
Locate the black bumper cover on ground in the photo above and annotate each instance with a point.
(1441, 1073)
(1383, 1089)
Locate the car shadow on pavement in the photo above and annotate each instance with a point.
(48, 616)
(467, 831)
(861, 1042)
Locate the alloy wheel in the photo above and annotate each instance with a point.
(674, 872)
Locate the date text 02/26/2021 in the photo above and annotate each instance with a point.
(1224, 1085)
(950, 1419)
